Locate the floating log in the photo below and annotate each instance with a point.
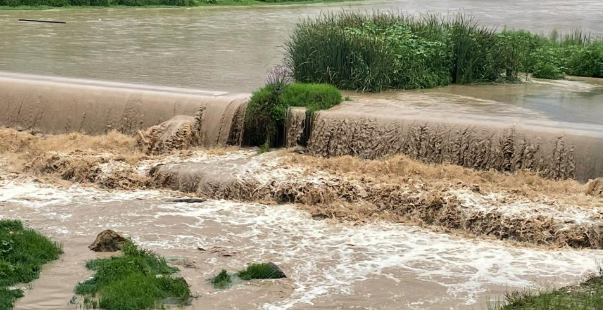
(41, 21)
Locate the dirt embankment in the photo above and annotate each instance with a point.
(519, 206)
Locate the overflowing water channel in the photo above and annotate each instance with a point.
(330, 265)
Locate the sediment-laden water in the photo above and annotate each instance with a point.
(223, 48)
(374, 266)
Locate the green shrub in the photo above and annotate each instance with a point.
(373, 52)
(22, 253)
(267, 108)
(586, 60)
(222, 280)
(385, 51)
(548, 62)
(139, 279)
(312, 96)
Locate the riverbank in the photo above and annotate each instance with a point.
(152, 5)
(23, 252)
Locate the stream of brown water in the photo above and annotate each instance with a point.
(373, 266)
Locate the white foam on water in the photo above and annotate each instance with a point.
(321, 259)
(570, 214)
(357, 253)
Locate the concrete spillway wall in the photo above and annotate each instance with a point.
(554, 154)
(60, 105)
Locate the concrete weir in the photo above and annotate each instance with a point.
(472, 134)
(56, 105)
(482, 141)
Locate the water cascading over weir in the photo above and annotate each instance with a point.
(172, 118)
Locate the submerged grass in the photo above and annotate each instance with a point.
(379, 51)
(23, 251)
(222, 280)
(139, 279)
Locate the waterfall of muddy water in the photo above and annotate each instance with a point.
(294, 126)
(466, 125)
(373, 266)
(60, 105)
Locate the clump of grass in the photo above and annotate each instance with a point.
(222, 280)
(261, 271)
(140, 279)
(23, 251)
(267, 109)
(586, 296)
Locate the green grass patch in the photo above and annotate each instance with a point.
(260, 271)
(379, 51)
(586, 296)
(267, 109)
(23, 251)
(222, 280)
(139, 279)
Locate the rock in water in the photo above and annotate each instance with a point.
(277, 272)
(107, 241)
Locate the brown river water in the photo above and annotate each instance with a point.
(329, 266)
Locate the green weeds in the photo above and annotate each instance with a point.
(253, 272)
(267, 109)
(586, 296)
(139, 279)
(23, 251)
(379, 51)
(222, 280)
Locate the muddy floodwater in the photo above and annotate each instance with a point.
(330, 263)
(223, 48)
(329, 266)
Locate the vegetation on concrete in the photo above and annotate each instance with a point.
(267, 109)
(23, 251)
(586, 296)
(222, 280)
(374, 52)
(139, 279)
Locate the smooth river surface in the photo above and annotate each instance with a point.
(223, 48)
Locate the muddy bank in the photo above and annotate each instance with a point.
(59, 105)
